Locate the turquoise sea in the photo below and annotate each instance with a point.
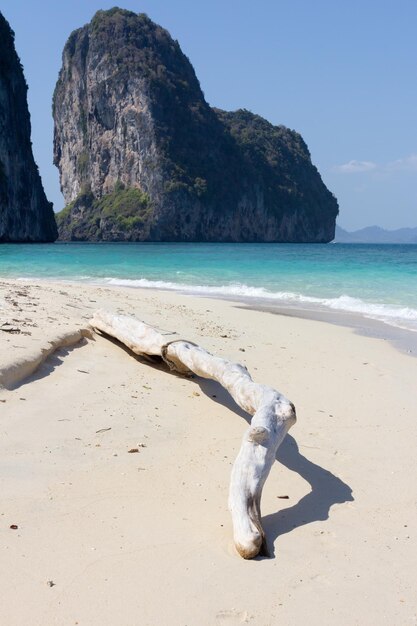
(375, 281)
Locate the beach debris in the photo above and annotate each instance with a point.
(83, 371)
(14, 526)
(9, 328)
(284, 497)
(103, 430)
(50, 583)
(272, 417)
(133, 450)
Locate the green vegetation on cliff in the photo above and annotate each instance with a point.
(280, 161)
(120, 213)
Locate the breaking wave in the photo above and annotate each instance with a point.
(395, 315)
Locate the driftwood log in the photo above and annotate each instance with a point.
(273, 415)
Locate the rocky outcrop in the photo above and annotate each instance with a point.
(25, 213)
(142, 156)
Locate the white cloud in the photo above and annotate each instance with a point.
(408, 163)
(353, 167)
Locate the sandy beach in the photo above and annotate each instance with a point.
(109, 537)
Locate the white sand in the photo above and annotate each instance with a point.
(145, 538)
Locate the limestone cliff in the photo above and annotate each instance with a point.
(142, 156)
(25, 213)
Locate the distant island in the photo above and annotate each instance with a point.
(143, 157)
(376, 234)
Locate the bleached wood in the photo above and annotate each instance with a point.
(273, 415)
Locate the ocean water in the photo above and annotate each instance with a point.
(375, 281)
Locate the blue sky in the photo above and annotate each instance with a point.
(343, 74)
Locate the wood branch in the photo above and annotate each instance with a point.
(273, 415)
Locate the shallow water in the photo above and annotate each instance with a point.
(376, 281)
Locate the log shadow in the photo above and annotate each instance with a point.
(56, 358)
(50, 364)
(326, 488)
(213, 390)
(150, 360)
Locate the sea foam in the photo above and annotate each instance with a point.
(402, 317)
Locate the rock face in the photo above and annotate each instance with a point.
(25, 213)
(143, 157)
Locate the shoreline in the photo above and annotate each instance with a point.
(403, 339)
(150, 532)
(376, 282)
